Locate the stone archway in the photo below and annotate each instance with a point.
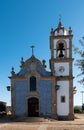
(33, 107)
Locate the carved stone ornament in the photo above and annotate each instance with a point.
(32, 67)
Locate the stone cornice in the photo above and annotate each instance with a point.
(24, 78)
(16, 77)
(44, 77)
(62, 59)
(61, 36)
(64, 77)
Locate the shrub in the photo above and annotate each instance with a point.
(77, 109)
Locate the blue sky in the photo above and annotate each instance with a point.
(28, 22)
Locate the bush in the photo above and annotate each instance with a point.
(77, 109)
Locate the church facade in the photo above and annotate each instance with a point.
(37, 92)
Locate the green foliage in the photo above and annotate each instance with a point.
(77, 109)
(80, 61)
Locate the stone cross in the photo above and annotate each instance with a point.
(32, 50)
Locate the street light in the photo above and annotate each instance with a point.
(8, 88)
(82, 99)
(74, 90)
(57, 87)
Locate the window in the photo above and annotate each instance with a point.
(32, 83)
(60, 50)
(62, 99)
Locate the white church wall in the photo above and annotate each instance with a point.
(67, 41)
(55, 43)
(63, 107)
(67, 53)
(54, 53)
(61, 32)
(45, 95)
(21, 92)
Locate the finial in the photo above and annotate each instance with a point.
(60, 24)
(60, 17)
(21, 59)
(43, 61)
(12, 72)
(52, 32)
(12, 68)
(32, 50)
(22, 62)
(70, 30)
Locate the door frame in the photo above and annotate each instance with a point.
(31, 97)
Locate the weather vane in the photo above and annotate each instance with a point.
(32, 49)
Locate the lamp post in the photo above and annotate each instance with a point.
(8, 88)
(57, 87)
(82, 99)
(74, 90)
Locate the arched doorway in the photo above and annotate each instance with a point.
(33, 107)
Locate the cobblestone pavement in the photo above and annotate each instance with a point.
(45, 124)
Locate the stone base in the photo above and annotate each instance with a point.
(69, 117)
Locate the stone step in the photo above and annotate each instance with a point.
(32, 119)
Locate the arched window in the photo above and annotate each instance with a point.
(60, 50)
(32, 83)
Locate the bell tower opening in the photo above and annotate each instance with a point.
(60, 50)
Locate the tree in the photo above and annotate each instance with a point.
(80, 61)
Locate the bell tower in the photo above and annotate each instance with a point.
(61, 51)
(61, 68)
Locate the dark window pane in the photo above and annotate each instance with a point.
(33, 83)
(62, 99)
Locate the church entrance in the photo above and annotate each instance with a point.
(33, 107)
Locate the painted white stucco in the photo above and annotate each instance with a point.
(63, 108)
(54, 53)
(61, 32)
(66, 69)
(67, 41)
(55, 41)
(67, 53)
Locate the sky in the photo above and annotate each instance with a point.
(28, 22)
